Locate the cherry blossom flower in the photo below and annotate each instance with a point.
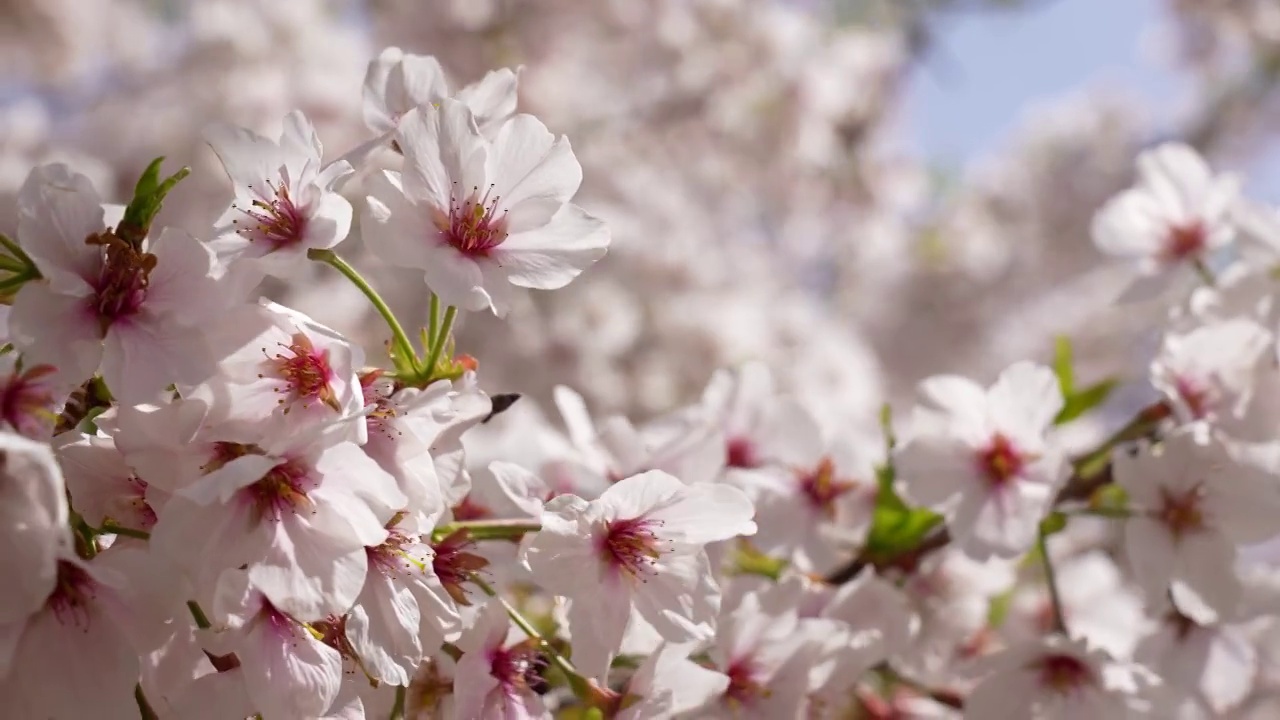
(215, 508)
(636, 549)
(1215, 661)
(949, 599)
(497, 677)
(286, 201)
(35, 531)
(29, 397)
(668, 684)
(1172, 220)
(398, 82)
(102, 484)
(133, 312)
(89, 632)
(986, 457)
(404, 608)
(287, 371)
(479, 216)
(1052, 678)
(740, 402)
(605, 451)
(298, 515)
(872, 623)
(814, 492)
(1208, 373)
(411, 431)
(286, 670)
(767, 652)
(1194, 504)
(1097, 602)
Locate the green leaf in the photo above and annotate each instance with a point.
(148, 196)
(749, 561)
(896, 527)
(87, 425)
(1109, 497)
(1062, 365)
(1075, 402)
(998, 608)
(1055, 523)
(895, 532)
(1081, 402)
(886, 426)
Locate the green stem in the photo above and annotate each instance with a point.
(1050, 578)
(442, 337)
(488, 529)
(1206, 275)
(16, 250)
(404, 348)
(114, 529)
(397, 710)
(11, 264)
(85, 537)
(1141, 426)
(202, 620)
(433, 320)
(18, 280)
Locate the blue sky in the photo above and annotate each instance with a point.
(990, 66)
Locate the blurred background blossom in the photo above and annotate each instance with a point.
(860, 193)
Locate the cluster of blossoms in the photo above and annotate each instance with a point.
(218, 507)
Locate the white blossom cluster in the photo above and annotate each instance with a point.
(217, 507)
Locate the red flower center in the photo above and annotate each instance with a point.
(1001, 461)
(72, 592)
(745, 688)
(279, 623)
(121, 285)
(741, 453)
(518, 667)
(1180, 512)
(822, 488)
(1198, 397)
(1064, 673)
(630, 546)
(1185, 241)
(380, 420)
(390, 557)
(454, 564)
(283, 488)
(272, 218)
(26, 401)
(473, 226)
(137, 510)
(305, 372)
(221, 453)
(469, 509)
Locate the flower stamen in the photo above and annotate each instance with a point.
(473, 226)
(121, 285)
(283, 488)
(630, 546)
(1001, 461)
(306, 373)
(273, 218)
